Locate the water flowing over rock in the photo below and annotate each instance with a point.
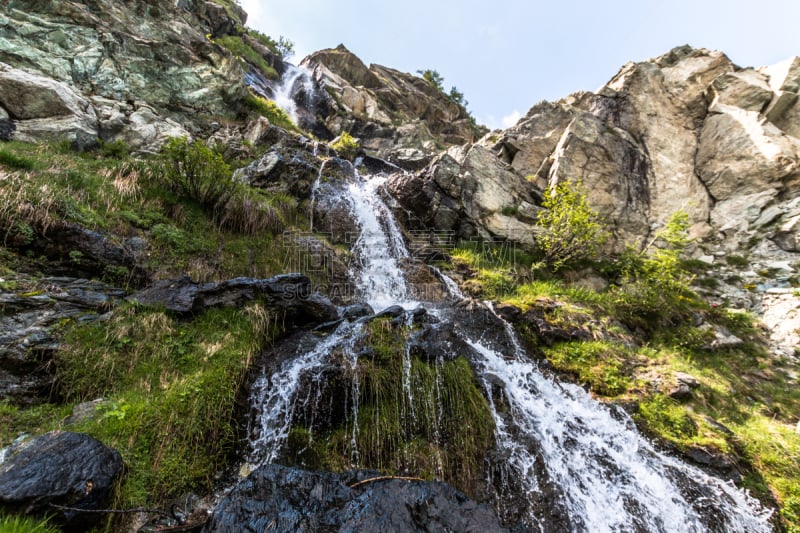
(558, 461)
(60, 468)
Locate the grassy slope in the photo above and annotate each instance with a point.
(744, 388)
(172, 387)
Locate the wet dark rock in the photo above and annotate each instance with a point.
(282, 499)
(95, 253)
(288, 292)
(332, 209)
(60, 468)
(288, 167)
(393, 311)
(28, 319)
(7, 129)
(357, 311)
(437, 341)
(717, 462)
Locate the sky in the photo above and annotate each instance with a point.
(505, 56)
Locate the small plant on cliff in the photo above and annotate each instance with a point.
(346, 145)
(240, 48)
(436, 79)
(273, 113)
(570, 229)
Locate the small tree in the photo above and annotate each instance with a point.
(570, 229)
(432, 77)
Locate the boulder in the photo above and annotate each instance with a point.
(745, 89)
(27, 96)
(288, 292)
(614, 170)
(60, 468)
(741, 154)
(289, 499)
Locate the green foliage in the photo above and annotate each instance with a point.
(346, 146)
(15, 162)
(172, 389)
(283, 46)
(433, 77)
(654, 289)
(273, 113)
(442, 431)
(570, 229)
(240, 48)
(195, 171)
(115, 149)
(25, 524)
(437, 81)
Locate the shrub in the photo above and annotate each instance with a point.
(346, 145)
(195, 171)
(570, 229)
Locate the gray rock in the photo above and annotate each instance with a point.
(288, 499)
(288, 292)
(62, 468)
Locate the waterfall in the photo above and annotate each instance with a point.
(607, 477)
(285, 91)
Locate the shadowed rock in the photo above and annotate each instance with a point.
(276, 498)
(60, 468)
(289, 292)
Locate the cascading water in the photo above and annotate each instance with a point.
(550, 436)
(284, 92)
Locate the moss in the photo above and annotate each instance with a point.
(443, 431)
(240, 48)
(172, 389)
(273, 113)
(604, 366)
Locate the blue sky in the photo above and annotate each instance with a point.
(506, 56)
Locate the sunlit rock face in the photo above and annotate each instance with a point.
(131, 71)
(397, 115)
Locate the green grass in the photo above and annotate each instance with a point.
(24, 524)
(13, 161)
(173, 390)
(239, 47)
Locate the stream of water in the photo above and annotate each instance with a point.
(608, 476)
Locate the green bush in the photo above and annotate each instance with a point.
(193, 170)
(346, 145)
(570, 229)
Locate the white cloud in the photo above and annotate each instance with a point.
(511, 119)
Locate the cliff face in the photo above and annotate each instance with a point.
(134, 71)
(397, 115)
(685, 131)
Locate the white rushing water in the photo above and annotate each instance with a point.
(284, 92)
(610, 478)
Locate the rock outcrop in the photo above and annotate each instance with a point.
(290, 293)
(63, 469)
(397, 116)
(685, 131)
(289, 499)
(137, 71)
